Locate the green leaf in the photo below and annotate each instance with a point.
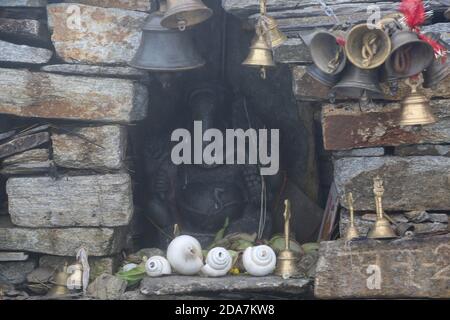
(132, 276)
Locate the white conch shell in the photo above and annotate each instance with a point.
(185, 255)
(157, 266)
(259, 261)
(218, 262)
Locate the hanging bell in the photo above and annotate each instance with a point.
(439, 68)
(185, 13)
(327, 54)
(275, 36)
(409, 56)
(165, 50)
(59, 284)
(260, 54)
(367, 48)
(327, 79)
(416, 108)
(357, 83)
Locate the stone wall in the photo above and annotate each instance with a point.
(67, 100)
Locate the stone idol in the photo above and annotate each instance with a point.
(200, 198)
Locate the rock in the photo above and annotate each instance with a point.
(27, 30)
(307, 88)
(411, 183)
(41, 275)
(107, 201)
(107, 287)
(365, 152)
(88, 70)
(292, 51)
(138, 5)
(103, 36)
(34, 155)
(442, 28)
(406, 268)
(23, 143)
(62, 241)
(27, 168)
(23, 3)
(423, 150)
(150, 252)
(346, 127)
(46, 95)
(101, 148)
(97, 265)
(13, 256)
(363, 223)
(10, 52)
(183, 285)
(16, 272)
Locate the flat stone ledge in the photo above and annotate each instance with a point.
(182, 285)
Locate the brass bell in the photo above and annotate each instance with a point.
(439, 68)
(352, 232)
(409, 56)
(367, 48)
(59, 284)
(273, 34)
(327, 79)
(185, 13)
(382, 228)
(356, 83)
(416, 108)
(260, 54)
(326, 52)
(165, 50)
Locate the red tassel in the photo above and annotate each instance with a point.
(340, 41)
(414, 12)
(439, 50)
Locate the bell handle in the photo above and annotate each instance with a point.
(263, 7)
(415, 84)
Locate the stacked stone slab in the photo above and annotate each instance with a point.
(77, 192)
(367, 142)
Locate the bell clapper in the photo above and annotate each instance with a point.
(263, 73)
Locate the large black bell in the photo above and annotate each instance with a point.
(327, 79)
(357, 82)
(165, 50)
(409, 55)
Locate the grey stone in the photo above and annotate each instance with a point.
(103, 71)
(41, 275)
(403, 268)
(364, 152)
(411, 183)
(61, 241)
(138, 5)
(442, 28)
(46, 95)
(99, 148)
(34, 155)
(71, 201)
(23, 3)
(27, 30)
(105, 36)
(10, 52)
(107, 287)
(182, 285)
(292, 51)
(97, 265)
(13, 256)
(423, 150)
(27, 168)
(16, 272)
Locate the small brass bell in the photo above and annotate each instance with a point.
(352, 232)
(165, 50)
(260, 54)
(382, 228)
(357, 83)
(326, 52)
(367, 48)
(286, 260)
(59, 284)
(273, 33)
(409, 56)
(185, 13)
(416, 108)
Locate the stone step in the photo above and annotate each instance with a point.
(71, 201)
(411, 183)
(105, 36)
(46, 95)
(405, 268)
(61, 242)
(10, 52)
(346, 127)
(98, 148)
(181, 285)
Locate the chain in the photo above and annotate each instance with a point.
(329, 11)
